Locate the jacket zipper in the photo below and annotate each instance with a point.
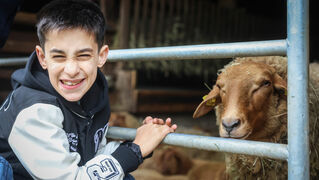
(88, 127)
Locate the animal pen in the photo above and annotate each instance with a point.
(295, 47)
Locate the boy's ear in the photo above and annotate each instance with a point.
(41, 56)
(104, 51)
(208, 103)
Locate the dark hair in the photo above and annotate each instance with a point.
(70, 14)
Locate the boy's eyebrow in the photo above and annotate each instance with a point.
(57, 51)
(54, 50)
(85, 50)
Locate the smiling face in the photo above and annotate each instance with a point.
(71, 58)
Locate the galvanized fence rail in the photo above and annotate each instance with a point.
(297, 50)
(207, 51)
(271, 150)
(298, 111)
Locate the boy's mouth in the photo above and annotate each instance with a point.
(71, 83)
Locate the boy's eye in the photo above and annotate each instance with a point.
(58, 57)
(84, 56)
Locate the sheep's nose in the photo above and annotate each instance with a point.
(229, 125)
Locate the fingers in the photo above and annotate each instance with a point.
(158, 121)
(150, 135)
(147, 120)
(168, 129)
(168, 122)
(174, 127)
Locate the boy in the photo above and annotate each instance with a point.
(53, 124)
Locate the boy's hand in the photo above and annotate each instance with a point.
(151, 134)
(149, 119)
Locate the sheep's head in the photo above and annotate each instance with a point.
(244, 94)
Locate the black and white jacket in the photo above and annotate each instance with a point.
(43, 136)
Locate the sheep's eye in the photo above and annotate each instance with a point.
(222, 91)
(266, 83)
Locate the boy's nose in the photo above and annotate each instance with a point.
(71, 68)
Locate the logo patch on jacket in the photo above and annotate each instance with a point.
(5, 106)
(98, 136)
(105, 170)
(73, 141)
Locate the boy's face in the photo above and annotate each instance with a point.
(71, 58)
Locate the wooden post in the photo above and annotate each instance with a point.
(154, 20)
(161, 25)
(108, 9)
(136, 23)
(144, 27)
(124, 28)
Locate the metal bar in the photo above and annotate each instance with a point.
(13, 61)
(298, 113)
(208, 51)
(270, 150)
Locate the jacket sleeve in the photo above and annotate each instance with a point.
(41, 145)
(127, 154)
(107, 147)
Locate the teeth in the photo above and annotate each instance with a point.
(70, 83)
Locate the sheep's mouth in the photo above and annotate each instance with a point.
(241, 137)
(238, 137)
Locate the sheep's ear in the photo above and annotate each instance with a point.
(208, 103)
(280, 85)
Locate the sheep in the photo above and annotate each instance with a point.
(207, 170)
(250, 101)
(170, 162)
(150, 174)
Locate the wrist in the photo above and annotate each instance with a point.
(141, 148)
(135, 148)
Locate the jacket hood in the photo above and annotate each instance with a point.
(33, 76)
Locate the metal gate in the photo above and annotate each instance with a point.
(297, 50)
(295, 46)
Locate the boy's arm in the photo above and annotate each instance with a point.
(41, 145)
(148, 137)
